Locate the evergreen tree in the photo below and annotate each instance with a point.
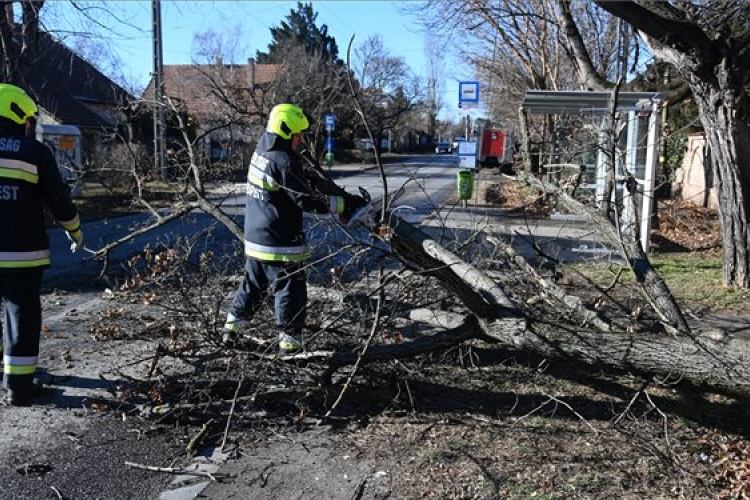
(300, 28)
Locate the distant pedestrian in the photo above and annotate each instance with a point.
(29, 181)
(277, 196)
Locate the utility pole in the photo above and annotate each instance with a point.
(159, 126)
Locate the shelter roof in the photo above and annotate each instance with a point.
(572, 101)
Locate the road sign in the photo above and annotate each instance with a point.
(330, 121)
(467, 154)
(329, 144)
(468, 92)
(467, 148)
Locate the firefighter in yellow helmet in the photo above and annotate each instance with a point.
(277, 196)
(29, 179)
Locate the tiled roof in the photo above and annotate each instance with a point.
(199, 87)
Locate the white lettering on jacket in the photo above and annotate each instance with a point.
(8, 193)
(254, 192)
(8, 144)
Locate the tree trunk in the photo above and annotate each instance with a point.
(712, 358)
(728, 135)
(715, 65)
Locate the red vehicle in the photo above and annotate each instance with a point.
(496, 149)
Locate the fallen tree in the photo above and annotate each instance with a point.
(713, 359)
(543, 317)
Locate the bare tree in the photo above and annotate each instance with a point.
(317, 84)
(210, 46)
(707, 43)
(18, 42)
(388, 88)
(435, 53)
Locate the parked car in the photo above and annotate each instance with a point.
(443, 148)
(365, 144)
(366, 150)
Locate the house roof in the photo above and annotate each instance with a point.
(70, 88)
(200, 86)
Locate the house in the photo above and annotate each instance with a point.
(71, 91)
(694, 181)
(225, 104)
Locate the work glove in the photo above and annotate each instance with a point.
(76, 240)
(352, 203)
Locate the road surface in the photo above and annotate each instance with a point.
(66, 447)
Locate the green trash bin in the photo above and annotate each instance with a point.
(465, 184)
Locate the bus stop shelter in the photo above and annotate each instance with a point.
(636, 115)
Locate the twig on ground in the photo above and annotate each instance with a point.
(176, 470)
(556, 401)
(580, 417)
(155, 361)
(632, 402)
(231, 414)
(373, 330)
(193, 444)
(665, 421)
(360, 489)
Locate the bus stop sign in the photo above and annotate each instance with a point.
(330, 121)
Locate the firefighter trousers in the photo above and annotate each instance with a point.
(22, 324)
(286, 282)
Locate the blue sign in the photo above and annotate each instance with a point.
(329, 144)
(330, 121)
(468, 92)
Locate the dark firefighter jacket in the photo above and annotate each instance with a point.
(277, 195)
(29, 179)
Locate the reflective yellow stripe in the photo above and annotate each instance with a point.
(20, 365)
(336, 204)
(272, 253)
(277, 257)
(21, 264)
(71, 225)
(258, 175)
(19, 370)
(36, 258)
(262, 184)
(19, 165)
(10, 173)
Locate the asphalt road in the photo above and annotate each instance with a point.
(64, 448)
(423, 184)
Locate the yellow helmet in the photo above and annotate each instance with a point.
(15, 104)
(287, 120)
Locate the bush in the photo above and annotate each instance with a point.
(115, 167)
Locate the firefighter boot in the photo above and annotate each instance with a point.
(233, 330)
(290, 345)
(25, 396)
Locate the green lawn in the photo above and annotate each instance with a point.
(694, 279)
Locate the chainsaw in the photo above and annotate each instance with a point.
(364, 216)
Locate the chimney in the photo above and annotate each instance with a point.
(251, 73)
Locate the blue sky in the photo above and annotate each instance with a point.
(401, 32)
